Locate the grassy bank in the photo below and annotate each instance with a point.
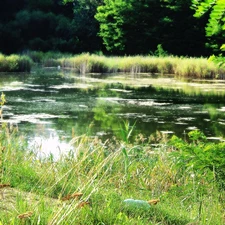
(90, 184)
(15, 63)
(184, 67)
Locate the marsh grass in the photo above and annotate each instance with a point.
(15, 63)
(89, 63)
(179, 66)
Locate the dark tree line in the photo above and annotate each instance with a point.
(45, 25)
(110, 26)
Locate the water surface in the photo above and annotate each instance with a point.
(48, 105)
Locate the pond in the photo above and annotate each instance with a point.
(50, 105)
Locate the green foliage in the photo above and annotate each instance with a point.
(200, 156)
(217, 9)
(38, 25)
(126, 131)
(15, 63)
(131, 27)
(160, 51)
(124, 27)
(2, 103)
(111, 19)
(106, 175)
(215, 26)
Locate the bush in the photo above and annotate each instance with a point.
(15, 63)
(200, 156)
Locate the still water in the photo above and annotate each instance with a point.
(48, 105)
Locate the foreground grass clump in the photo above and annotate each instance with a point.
(15, 63)
(90, 183)
(184, 67)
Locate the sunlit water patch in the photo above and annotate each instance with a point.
(49, 145)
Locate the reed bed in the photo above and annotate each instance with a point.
(179, 66)
(15, 63)
(90, 63)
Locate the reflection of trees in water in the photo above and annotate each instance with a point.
(107, 106)
(217, 119)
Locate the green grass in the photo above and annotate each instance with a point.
(106, 173)
(15, 63)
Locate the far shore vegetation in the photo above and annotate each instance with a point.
(15, 63)
(187, 67)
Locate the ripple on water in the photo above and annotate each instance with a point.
(192, 128)
(34, 118)
(184, 107)
(185, 119)
(71, 86)
(34, 100)
(148, 102)
(120, 90)
(166, 132)
(222, 109)
(132, 115)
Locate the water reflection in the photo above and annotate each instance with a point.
(49, 143)
(47, 105)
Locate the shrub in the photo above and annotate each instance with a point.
(15, 63)
(200, 156)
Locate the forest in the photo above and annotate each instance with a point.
(112, 27)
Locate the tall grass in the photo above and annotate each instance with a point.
(15, 63)
(89, 185)
(184, 67)
(89, 63)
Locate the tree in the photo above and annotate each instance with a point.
(216, 22)
(43, 25)
(111, 17)
(85, 25)
(138, 27)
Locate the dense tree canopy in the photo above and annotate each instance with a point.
(131, 26)
(111, 26)
(215, 28)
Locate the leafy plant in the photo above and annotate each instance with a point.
(216, 11)
(160, 51)
(200, 156)
(216, 8)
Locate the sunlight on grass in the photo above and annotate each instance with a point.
(15, 63)
(184, 67)
(89, 185)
